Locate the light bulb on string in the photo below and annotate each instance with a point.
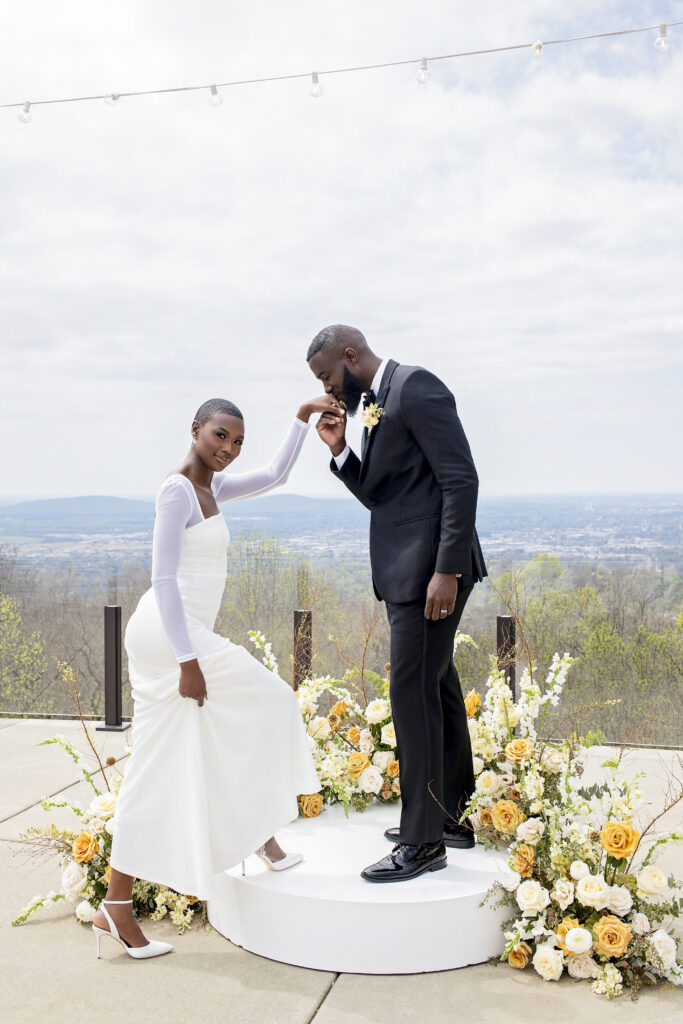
(25, 114)
(662, 40)
(424, 73)
(316, 87)
(112, 99)
(215, 99)
(538, 49)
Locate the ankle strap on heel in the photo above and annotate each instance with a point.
(116, 902)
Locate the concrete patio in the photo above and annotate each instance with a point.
(50, 970)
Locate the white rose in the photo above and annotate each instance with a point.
(102, 806)
(578, 940)
(532, 898)
(511, 880)
(582, 966)
(85, 911)
(109, 826)
(563, 893)
(593, 891)
(531, 830)
(578, 869)
(552, 760)
(319, 728)
(74, 877)
(665, 948)
(370, 780)
(548, 962)
(651, 882)
(640, 925)
(382, 759)
(389, 735)
(620, 900)
(477, 765)
(366, 744)
(96, 825)
(488, 783)
(376, 711)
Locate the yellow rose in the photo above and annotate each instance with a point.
(561, 931)
(506, 816)
(393, 769)
(517, 750)
(619, 839)
(311, 805)
(340, 708)
(520, 957)
(357, 764)
(84, 847)
(472, 703)
(353, 735)
(612, 936)
(106, 877)
(485, 817)
(523, 860)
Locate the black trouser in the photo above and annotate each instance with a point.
(433, 741)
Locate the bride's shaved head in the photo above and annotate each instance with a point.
(210, 408)
(337, 336)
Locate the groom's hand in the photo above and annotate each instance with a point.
(332, 430)
(441, 594)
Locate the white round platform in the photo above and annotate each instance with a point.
(321, 914)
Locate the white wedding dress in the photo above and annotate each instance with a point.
(204, 787)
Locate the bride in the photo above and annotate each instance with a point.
(219, 748)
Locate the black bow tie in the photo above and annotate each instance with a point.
(369, 398)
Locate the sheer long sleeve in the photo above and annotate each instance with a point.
(230, 486)
(173, 510)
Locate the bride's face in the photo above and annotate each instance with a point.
(218, 442)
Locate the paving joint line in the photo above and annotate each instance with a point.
(57, 792)
(322, 1000)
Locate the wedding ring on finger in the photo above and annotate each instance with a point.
(444, 611)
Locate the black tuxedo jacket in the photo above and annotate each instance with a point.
(418, 479)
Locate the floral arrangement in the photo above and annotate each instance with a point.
(371, 415)
(587, 896)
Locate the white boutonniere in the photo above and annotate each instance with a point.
(371, 415)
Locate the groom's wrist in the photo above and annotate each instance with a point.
(337, 449)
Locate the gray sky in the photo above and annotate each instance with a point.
(515, 225)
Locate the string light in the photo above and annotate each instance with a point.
(112, 99)
(662, 41)
(424, 73)
(316, 87)
(215, 99)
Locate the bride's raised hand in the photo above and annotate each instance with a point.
(328, 405)
(192, 683)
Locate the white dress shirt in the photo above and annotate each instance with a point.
(376, 381)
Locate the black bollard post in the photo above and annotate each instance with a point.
(505, 647)
(303, 646)
(113, 708)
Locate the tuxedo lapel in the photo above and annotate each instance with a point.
(368, 436)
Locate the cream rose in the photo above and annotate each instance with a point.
(640, 924)
(366, 744)
(582, 967)
(488, 783)
(532, 898)
(102, 806)
(96, 825)
(578, 940)
(477, 765)
(665, 947)
(620, 900)
(563, 893)
(531, 830)
(376, 711)
(74, 877)
(511, 881)
(319, 728)
(382, 759)
(85, 911)
(109, 826)
(552, 760)
(593, 891)
(547, 961)
(651, 883)
(370, 780)
(578, 869)
(388, 735)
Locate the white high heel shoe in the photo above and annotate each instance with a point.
(153, 948)
(290, 860)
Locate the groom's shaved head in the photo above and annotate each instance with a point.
(337, 336)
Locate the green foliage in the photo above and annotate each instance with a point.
(22, 658)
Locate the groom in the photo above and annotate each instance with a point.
(417, 477)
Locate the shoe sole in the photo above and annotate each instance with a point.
(432, 867)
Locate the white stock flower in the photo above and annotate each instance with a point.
(388, 735)
(319, 728)
(382, 758)
(366, 744)
(578, 940)
(547, 961)
(578, 869)
(582, 967)
(533, 785)
(665, 947)
(477, 765)
(563, 893)
(651, 883)
(532, 898)
(593, 891)
(376, 711)
(488, 783)
(85, 911)
(552, 760)
(620, 900)
(74, 877)
(511, 880)
(102, 806)
(531, 830)
(640, 924)
(370, 780)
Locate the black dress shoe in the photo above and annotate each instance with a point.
(457, 836)
(406, 861)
